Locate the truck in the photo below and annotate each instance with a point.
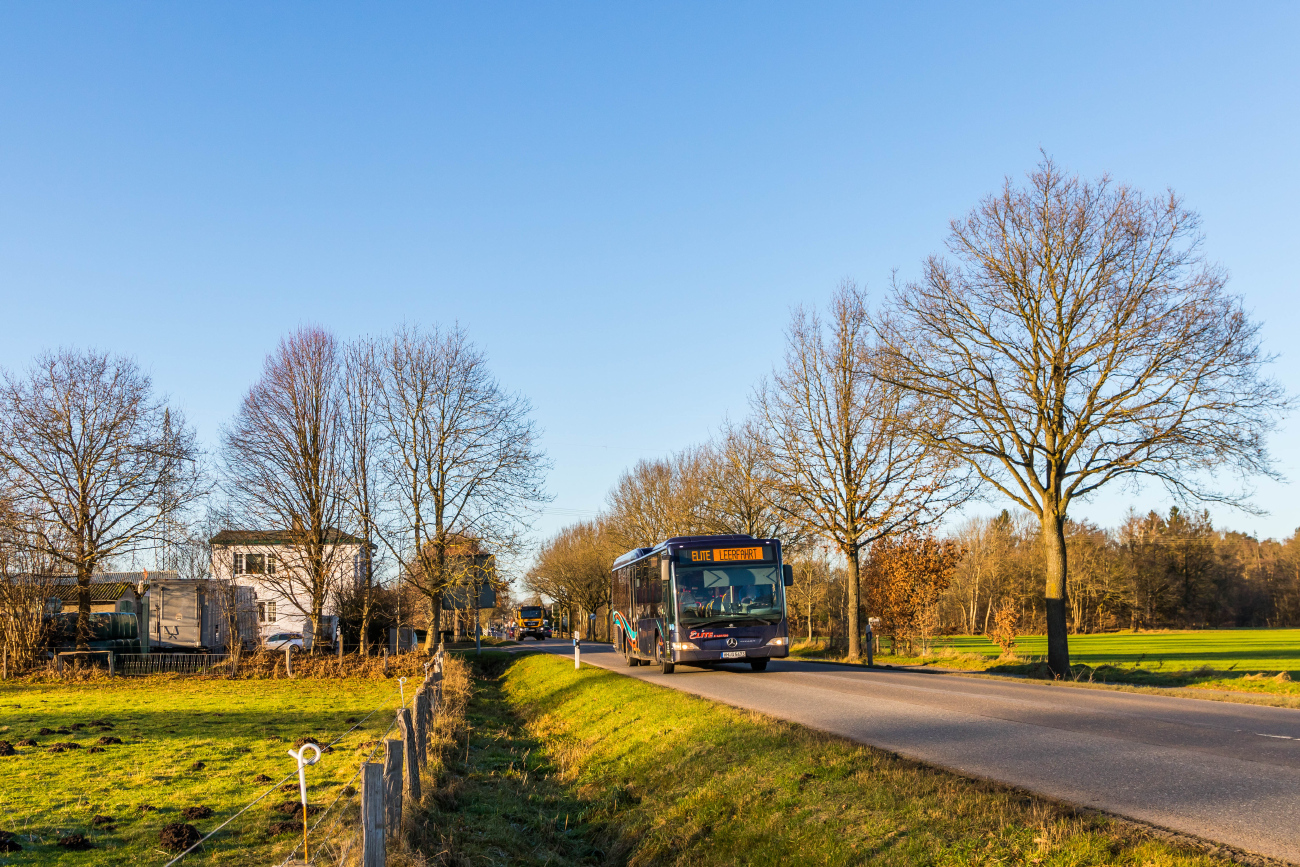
(530, 622)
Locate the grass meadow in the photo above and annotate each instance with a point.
(185, 742)
(1265, 661)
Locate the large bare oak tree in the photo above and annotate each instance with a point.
(1079, 338)
(94, 463)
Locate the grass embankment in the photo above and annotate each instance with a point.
(590, 767)
(1244, 660)
(185, 742)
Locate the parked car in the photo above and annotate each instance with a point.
(281, 640)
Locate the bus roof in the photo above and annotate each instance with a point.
(684, 542)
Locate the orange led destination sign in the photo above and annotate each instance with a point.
(723, 555)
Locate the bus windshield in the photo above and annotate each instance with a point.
(530, 613)
(728, 595)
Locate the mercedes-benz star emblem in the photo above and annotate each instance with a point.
(731, 642)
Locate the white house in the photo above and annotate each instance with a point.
(269, 562)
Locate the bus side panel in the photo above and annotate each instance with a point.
(620, 598)
(648, 599)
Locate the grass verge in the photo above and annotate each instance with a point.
(590, 767)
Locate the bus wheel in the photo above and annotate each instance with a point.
(758, 664)
(662, 657)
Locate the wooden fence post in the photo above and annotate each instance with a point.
(412, 759)
(288, 666)
(385, 662)
(393, 751)
(372, 815)
(422, 726)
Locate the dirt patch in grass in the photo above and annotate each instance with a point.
(76, 842)
(178, 836)
(194, 813)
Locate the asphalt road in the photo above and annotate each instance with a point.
(1219, 771)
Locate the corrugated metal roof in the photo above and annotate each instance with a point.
(276, 537)
(107, 591)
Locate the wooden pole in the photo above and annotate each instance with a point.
(421, 727)
(372, 815)
(288, 666)
(393, 787)
(412, 758)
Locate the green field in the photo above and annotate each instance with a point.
(592, 768)
(1242, 660)
(237, 729)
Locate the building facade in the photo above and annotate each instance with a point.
(271, 564)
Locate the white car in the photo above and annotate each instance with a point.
(281, 640)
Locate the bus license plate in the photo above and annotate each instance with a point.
(733, 654)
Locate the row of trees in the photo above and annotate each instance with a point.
(1073, 337)
(406, 441)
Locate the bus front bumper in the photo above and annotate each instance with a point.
(739, 654)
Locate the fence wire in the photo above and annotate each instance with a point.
(293, 774)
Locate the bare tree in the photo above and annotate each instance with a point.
(89, 455)
(573, 567)
(841, 445)
(658, 499)
(461, 459)
(1080, 338)
(285, 466)
(27, 581)
(362, 442)
(739, 491)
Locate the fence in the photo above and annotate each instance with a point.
(379, 789)
(170, 663)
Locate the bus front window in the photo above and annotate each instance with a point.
(731, 595)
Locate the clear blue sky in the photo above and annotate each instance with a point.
(618, 200)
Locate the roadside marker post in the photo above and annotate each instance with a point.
(577, 650)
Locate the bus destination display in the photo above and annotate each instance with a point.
(726, 555)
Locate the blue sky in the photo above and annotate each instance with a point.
(620, 201)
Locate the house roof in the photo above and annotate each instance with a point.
(102, 591)
(278, 537)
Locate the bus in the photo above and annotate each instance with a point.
(529, 622)
(701, 600)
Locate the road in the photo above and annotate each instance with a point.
(1224, 772)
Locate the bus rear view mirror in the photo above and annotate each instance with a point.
(787, 575)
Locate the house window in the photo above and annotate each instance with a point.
(255, 564)
(239, 564)
(126, 606)
(270, 564)
(266, 612)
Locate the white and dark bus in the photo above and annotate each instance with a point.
(701, 600)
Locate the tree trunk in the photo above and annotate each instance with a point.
(1058, 642)
(83, 607)
(855, 603)
(435, 623)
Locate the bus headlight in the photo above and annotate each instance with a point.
(779, 641)
(684, 645)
